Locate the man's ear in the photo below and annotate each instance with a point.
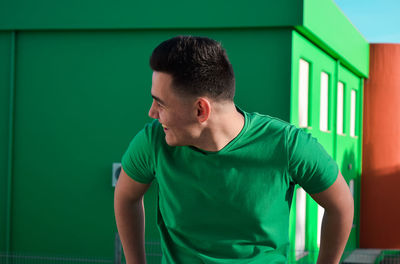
(203, 109)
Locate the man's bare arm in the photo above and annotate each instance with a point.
(337, 222)
(129, 215)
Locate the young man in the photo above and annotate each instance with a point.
(226, 177)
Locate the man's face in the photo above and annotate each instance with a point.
(177, 114)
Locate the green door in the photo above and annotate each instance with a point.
(326, 101)
(348, 147)
(313, 101)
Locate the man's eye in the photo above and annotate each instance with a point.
(157, 103)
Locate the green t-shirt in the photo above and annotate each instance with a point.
(230, 206)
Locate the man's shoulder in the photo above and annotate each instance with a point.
(152, 130)
(150, 134)
(153, 125)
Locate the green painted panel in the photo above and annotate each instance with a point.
(80, 97)
(5, 62)
(326, 25)
(124, 14)
(261, 60)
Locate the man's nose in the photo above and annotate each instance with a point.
(153, 112)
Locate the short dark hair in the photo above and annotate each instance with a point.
(198, 66)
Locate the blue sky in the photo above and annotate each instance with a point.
(377, 20)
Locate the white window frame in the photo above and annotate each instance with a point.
(340, 109)
(300, 242)
(324, 103)
(321, 212)
(304, 82)
(353, 105)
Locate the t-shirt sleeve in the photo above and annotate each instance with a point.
(137, 161)
(309, 164)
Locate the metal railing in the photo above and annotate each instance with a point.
(153, 253)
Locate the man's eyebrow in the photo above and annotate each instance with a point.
(158, 99)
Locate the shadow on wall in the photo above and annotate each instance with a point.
(348, 168)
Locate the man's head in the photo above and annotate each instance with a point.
(199, 66)
(192, 78)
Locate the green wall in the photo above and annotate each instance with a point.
(321, 20)
(157, 14)
(80, 96)
(73, 118)
(5, 58)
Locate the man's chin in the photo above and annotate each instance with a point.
(170, 142)
(173, 143)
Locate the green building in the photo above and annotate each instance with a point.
(75, 88)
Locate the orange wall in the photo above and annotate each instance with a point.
(380, 184)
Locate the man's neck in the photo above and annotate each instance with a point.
(223, 126)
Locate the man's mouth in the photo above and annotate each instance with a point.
(165, 128)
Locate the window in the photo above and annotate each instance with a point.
(339, 125)
(300, 242)
(353, 114)
(321, 212)
(303, 92)
(323, 113)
